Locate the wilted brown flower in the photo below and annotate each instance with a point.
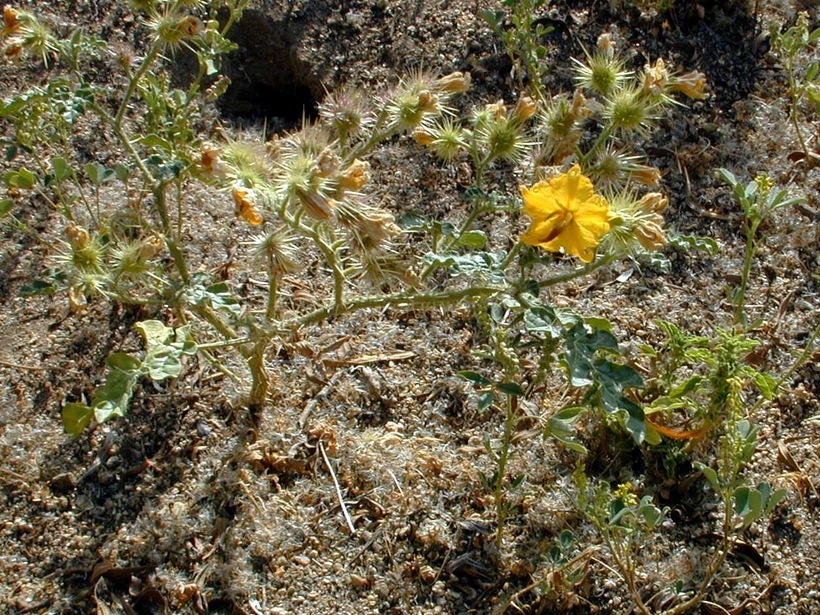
(653, 203)
(524, 110)
(649, 233)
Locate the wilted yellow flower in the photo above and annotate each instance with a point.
(10, 21)
(653, 203)
(645, 174)
(524, 109)
(422, 137)
(13, 52)
(691, 84)
(245, 207)
(454, 83)
(355, 176)
(649, 233)
(210, 161)
(655, 77)
(566, 214)
(77, 236)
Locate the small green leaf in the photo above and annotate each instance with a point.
(6, 205)
(76, 417)
(62, 170)
(121, 171)
(37, 287)
(485, 400)
(473, 239)
(97, 173)
(710, 475)
(510, 388)
(475, 378)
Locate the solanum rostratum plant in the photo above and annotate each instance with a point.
(311, 188)
(590, 198)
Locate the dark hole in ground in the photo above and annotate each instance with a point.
(268, 79)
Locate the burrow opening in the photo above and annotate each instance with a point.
(268, 79)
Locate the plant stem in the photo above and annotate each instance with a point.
(500, 504)
(132, 85)
(748, 256)
(402, 300)
(578, 272)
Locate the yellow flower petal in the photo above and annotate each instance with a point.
(567, 215)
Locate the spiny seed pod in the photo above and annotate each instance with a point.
(628, 110)
(173, 28)
(278, 251)
(346, 110)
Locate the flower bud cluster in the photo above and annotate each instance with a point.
(624, 102)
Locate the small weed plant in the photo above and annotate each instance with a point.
(592, 199)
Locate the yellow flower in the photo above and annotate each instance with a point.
(566, 214)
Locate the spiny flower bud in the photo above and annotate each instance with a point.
(315, 205)
(454, 83)
(245, 206)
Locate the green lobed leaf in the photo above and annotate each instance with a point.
(581, 346)
(76, 417)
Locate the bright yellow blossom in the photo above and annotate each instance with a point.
(567, 215)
